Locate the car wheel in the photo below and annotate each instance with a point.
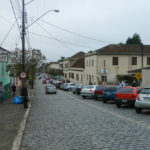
(138, 110)
(83, 97)
(104, 101)
(118, 105)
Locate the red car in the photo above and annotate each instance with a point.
(44, 82)
(127, 96)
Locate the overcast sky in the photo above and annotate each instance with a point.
(81, 25)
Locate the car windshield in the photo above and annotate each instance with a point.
(90, 86)
(145, 91)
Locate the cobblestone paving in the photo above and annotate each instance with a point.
(67, 122)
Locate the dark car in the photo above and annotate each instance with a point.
(79, 88)
(99, 92)
(110, 93)
(127, 96)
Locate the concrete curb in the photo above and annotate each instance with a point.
(18, 140)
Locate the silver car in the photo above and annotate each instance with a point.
(50, 89)
(143, 100)
(88, 91)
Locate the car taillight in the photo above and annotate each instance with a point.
(91, 90)
(133, 96)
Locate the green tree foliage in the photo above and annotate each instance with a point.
(134, 40)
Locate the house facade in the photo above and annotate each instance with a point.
(103, 66)
(114, 60)
(4, 74)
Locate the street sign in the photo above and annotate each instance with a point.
(138, 76)
(23, 75)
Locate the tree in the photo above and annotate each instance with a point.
(134, 40)
(61, 59)
(33, 59)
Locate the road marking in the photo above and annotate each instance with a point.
(144, 125)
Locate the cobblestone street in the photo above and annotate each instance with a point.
(65, 121)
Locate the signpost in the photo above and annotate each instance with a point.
(138, 76)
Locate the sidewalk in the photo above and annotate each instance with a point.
(11, 116)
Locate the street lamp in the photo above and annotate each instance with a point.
(23, 33)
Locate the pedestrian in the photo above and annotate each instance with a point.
(13, 89)
(24, 94)
(2, 90)
(122, 83)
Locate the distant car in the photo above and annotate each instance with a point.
(69, 86)
(127, 96)
(99, 92)
(110, 93)
(143, 100)
(49, 89)
(44, 82)
(88, 91)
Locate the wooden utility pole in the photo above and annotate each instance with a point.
(23, 39)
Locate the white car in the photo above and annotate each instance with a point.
(143, 100)
(88, 91)
(69, 86)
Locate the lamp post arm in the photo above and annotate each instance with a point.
(41, 17)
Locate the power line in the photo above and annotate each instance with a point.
(74, 33)
(53, 37)
(15, 16)
(62, 41)
(7, 33)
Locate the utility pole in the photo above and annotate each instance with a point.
(23, 39)
(141, 55)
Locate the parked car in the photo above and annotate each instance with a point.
(143, 100)
(69, 86)
(88, 91)
(44, 82)
(99, 92)
(127, 96)
(79, 88)
(50, 89)
(62, 85)
(110, 93)
(74, 89)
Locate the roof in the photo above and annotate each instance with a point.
(138, 70)
(124, 49)
(79, 54)
(79, 63)
(4, 50)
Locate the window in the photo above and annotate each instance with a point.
(125, 90)
(104, 78)
(72, 75)
(148, 60)
(2, 69)
(134, 60)
(92, 62)
(81, 78)
(87, 77)
(77, 77)
(87, 63)
(115, 61)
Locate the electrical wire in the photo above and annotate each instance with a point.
(54, 38)
(64, 45)
(7, 34)
(15, 17)
(74, 33)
